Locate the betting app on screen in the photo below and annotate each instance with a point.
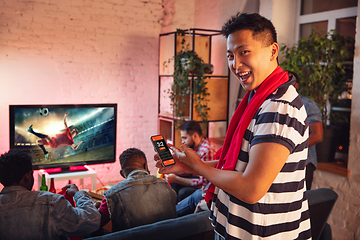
(163, 150)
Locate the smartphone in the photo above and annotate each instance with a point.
(164, 153)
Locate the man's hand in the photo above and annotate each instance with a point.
(166, 170)
(171, 178)
(97, 204)
(178, 167)
(187, 156)
(71, 189)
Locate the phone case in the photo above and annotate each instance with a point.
(161, 147)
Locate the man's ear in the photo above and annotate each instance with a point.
(27, 180)
(122, 173)
(27, 176)
(274, 51)
(195, 136)
(146, 167)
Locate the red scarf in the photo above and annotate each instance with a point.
(241, 120)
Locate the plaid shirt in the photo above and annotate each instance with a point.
(206, 153)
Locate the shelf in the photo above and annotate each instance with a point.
(171, 117)
(206, 75)
(217, 100)
(334, 168)
(202, 42)
(171, 45)
(216, 76)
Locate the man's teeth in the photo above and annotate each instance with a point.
(244, 73)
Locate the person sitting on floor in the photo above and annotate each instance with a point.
(26, 214)
(140, 199)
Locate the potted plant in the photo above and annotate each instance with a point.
(188, 80)
(321, 61)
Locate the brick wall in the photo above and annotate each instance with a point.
(80, 51)
(344, 218)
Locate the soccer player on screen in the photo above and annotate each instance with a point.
(65, 138)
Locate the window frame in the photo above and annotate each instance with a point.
(330, 17)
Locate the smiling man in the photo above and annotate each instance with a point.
(249, 56)
(258, 186)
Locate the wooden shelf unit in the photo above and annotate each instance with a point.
(204, 42)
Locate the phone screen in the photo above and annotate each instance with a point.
(163, 150)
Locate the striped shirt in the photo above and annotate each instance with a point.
(282, 213)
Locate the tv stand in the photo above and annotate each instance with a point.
(60, 176)
(66, 169)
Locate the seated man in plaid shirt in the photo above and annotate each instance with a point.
(191, 134)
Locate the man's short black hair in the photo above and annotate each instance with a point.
(13, 166)
(191, 127)
(128, 154)
(263, 29)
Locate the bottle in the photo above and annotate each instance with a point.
(52, 186)
(43, 186)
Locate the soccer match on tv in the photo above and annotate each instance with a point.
(64, 134)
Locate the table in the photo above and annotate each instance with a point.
(89, 173)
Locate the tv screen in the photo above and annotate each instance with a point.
(64, 136)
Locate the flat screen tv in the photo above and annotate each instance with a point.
(64, 137)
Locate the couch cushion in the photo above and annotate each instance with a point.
(176, 228)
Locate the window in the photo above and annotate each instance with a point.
(324, 16)
(306, 28)
(338, 19)
(316, 6)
